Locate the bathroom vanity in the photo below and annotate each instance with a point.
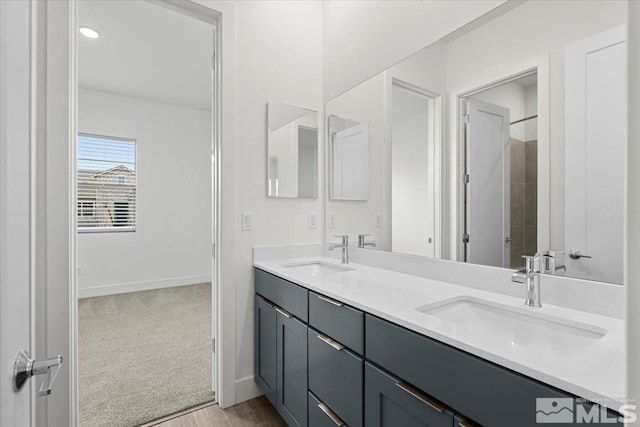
(362, 346)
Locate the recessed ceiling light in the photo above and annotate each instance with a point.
(89, 32)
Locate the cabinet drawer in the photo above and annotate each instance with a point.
(341, 322)
(390, 402)
(336, 377)
(320, 415)
(485, 392)
(287, 295)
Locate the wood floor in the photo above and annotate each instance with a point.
(254, 412)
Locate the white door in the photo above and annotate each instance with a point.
(488, 190)
(412, 172)
(16, 327)
(351, 170)
(595, 126)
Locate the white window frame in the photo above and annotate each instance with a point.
(113, 228)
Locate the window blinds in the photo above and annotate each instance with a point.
(106, 183)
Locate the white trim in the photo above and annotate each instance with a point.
(246, 388)
(121, 288)
(455, 159)
(632, 206)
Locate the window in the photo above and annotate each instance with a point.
(106, 183)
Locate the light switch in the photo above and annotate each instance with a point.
(378, 219)
(313, 220)
(247, 221)
(331, 220)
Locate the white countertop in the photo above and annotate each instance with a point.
(596, 372)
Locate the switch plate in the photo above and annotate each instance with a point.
(247, 221)
(331, 220)
(378, 219)
(312, 220)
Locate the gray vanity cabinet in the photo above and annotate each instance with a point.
(265, 347)
(390, 402)
(280, 340)
(291, 388)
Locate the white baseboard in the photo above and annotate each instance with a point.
(97, 291)
(246, 388)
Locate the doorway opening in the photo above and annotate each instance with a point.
(499, 149)
(146, 211)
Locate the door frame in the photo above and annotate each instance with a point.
(57, 307)
(456, 153)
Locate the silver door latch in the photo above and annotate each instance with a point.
(25, 367)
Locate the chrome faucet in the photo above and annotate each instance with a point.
(549, 262)
(344, 246)
(531, 278)
(362, 243)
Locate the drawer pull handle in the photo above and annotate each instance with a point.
(330, 301)
(269, 303)
(283, 312)
(333, 343)
(329, 413)
(467, 423)
(421, 396)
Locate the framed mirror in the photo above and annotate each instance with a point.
(486, 147)
(292, 151)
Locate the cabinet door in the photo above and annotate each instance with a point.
(265, 347)
(291, 394)
(390, 402)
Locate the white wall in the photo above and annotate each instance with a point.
(172, 241)
(278, 57)
(534, 28)
(362, 38)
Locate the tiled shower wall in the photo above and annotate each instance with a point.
(524, 191)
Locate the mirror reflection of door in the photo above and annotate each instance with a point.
(596, 123)
(350, 161)
(412, 172)
(488, 184)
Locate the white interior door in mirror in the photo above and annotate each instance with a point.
(412, 172)
(350, 163)
(596, 122)
(488, 188)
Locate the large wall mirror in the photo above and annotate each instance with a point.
(504, 138)
(292, 151)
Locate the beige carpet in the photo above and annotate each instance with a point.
(143, 355)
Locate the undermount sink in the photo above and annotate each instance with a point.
(316, 268)
(503, 325)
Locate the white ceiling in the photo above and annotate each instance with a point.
(146, 51)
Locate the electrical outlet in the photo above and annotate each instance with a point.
(331, 220)
(312, 220)
(378, 219)
(247, 221)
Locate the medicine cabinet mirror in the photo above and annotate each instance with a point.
(292, 151)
